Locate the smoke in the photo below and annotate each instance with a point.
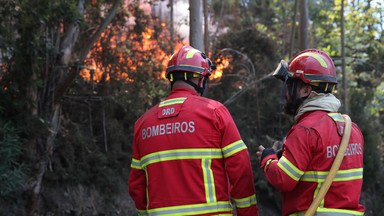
(162, 10)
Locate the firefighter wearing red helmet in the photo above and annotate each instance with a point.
(310, 147)
(188, 157)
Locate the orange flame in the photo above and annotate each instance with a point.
(149, 47)
(147, 44)
(221, 64)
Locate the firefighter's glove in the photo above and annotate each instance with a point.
(267, 152)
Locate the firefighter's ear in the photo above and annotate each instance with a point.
(305, 90)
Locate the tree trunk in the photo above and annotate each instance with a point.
(303, 36)
(171, 30)
(293, 30)
(346, 108)
(196, 25)
(51, 108)
(196, 37)
(206, 31)
(58, 83)
(284, 2)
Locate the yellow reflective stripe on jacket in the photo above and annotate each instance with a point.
(223, 215)
(136, 164)
(194, 209)
(268, 162)
(209, 183)
(179, 154)
(316, 192)
(194, 153)
(341, 175)
(245, 202)
(330, 212)
(289, 168)
(141, 212)
(336, 117)
(172, 101)
(233, 148)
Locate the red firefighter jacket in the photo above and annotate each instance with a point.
(186, 150)
(308, 153)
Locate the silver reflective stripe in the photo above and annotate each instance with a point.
(202, 153)
(331, 212)
(312, 177)
(245, 202)
(233, 148)
(208, 181)
(192, 209)
(181, 154)
(141, 212)
(341, 175)
(289, 168)
(136, 164)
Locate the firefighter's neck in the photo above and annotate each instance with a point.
(182, 84)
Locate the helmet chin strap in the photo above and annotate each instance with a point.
(184, 76)
(197, 87)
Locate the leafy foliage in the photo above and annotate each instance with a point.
(12, 168)
(93, 146)
(364, 37)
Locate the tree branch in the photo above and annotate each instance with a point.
(102, 27)
(245, 89)
(63, 88)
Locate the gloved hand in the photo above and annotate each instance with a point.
(263, 152)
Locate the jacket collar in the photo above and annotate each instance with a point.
(318, 101)
(177, 92)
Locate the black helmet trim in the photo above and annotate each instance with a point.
(185, 68)
(314, 77)
(282, 73)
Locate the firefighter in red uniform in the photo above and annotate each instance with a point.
(311, 144)
(188, 156)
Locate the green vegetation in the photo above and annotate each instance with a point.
(12, 168)
(77, 135)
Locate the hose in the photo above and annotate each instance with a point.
(335, 167)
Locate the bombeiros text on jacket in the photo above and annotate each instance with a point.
(169, 128)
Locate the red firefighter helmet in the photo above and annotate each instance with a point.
(312, 66)
(189, 59)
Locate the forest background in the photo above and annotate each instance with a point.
(76, 74)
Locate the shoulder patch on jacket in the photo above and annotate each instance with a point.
(170, 108)
(339, 120)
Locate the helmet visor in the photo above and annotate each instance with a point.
(281, 71)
